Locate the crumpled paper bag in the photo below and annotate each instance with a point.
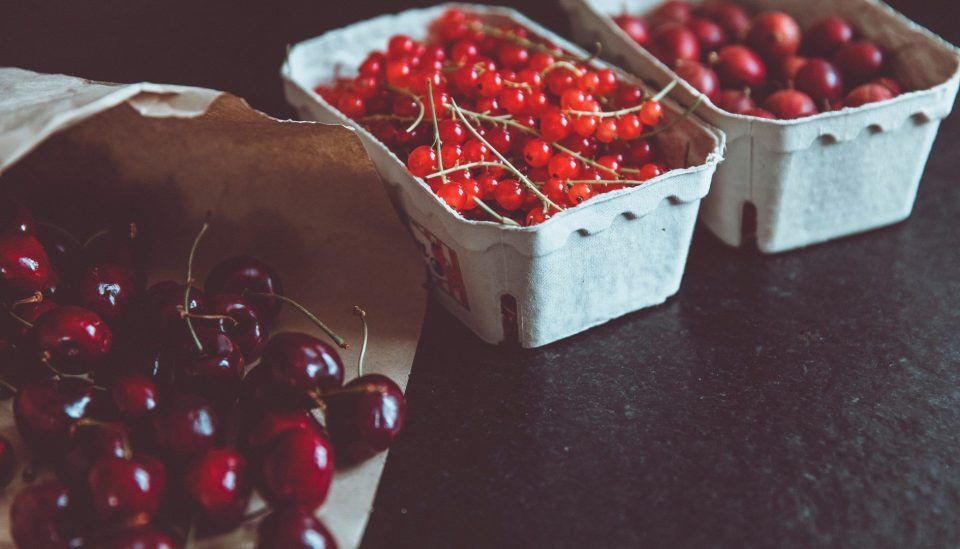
(303, 197)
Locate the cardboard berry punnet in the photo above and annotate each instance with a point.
(822, 177)
(614, 254)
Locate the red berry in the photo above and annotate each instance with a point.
(703, 79)
(537, 153)
(540, 61)
(25, 267)
(554, 125)
(351, 105)
(514, 100)
(629, 127)
(860, 60)
(789, 68)
(536, 216)
(672, 11)
(629, 96)
(398, 72)
(72, 339)
(760, 113)
(555, 190)
(734, 19)
(490, 84)
(467, 79)
(607, 81)
(422, 161)
(124, 490)
(400, 46)
(218, 484)
(585, 126)
(827, 37)
(475, 151)
(740, 67)
(641, 151)
(673, 43)
(649, 171)
(296, 470)
(46, 515)
(242, 273)
(373, 65)
(452, 132)
(820, 80)
(790, 104)
(453, 195)
(774, 35)
(710, 34)
(464, 51)
(635, 27)
(135, 396)
(867, 93)
(735, 101)
(293, 528)
(890, 84)
(579, 193)
(563, 166)
(509, 194)
(607, 130)
(513, 56)
(588, 82)
(366, 417)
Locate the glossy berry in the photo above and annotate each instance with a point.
(160, 310)
(107, 289)
(8, 462)
(867, 93)
(45, 515)
(422, 161)
(293, 528)
(46, 411)
(453, 195)
(634, 27)
(703, 79)
(72, 339)
(15, 217)
(739, 67)
(554, 126)
(25, 267)
(581, 192)
(563, 166)
(510, 194)
(820, 80)
(729, 15)
(126, 491)
(710, 34)
(366, 417)
(135, 396)
(266, 427)
(827, 36)
(672, 11)
(760, 113)
(87, 445)
(860, 60)
(218, 484)
(302, 363)
(774, 35)
(790, 104)
(247, 331)
(185, 427)
(244, 273)
(735, 101)
(537, 153)
(216, 371)
(296, 470)
(673, 43)
(62, 248)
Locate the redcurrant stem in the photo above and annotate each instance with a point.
(381, 117)
(436, 132)
(313, 318)
(673, 123)
(533, 188)
(363, 346)
(37, 297)
(461, 167)
(605, 182)
(495, 215)
(562, 64)
(408, 93)
(504, 119)
(611, 114)
(666, 90)
(584, 159)
(189, 285)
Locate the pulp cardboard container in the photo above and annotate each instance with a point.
(617, 253)
(822, 177)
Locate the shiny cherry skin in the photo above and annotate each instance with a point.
(25, 267)
(735, 101)
(860, 61)
(635, 27)
(702, 78)
(261, 392)
(867, 93)
(46, 411)
(820, 80)
(8, 462)
(672, 11)
(45, 515)
(63, 249)
(302, 362)
(266, 427)
(730, 16)
(138, 356)
(790, 104)
(296, 469)
(144, 537)
(365, 417)
(214, 373)
(218, 485)
(774, 35)
(87, 446)
(160, 309)
(739, 67)
(293, 528)
(237, 274)
(246, 329)
(188, 426)
(15, 217)
(72, 339)
(710, 34)
(135, 396)
(673, 43)
(107, 289)
(828, 36)
(126, 491)
(30, 312)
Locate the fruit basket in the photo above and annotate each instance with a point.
(618, 253)
(820, 177)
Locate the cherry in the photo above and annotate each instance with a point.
(246, 329)
(673, 42)
(188, 426)
(774, 35)
(296, 469)
(888, 83)
(760, 113)
(72, 339)
(88, 445)
(137, 358)
(144, 537)
(217, 484)
(828, 36)
(859, 60)
(790, 104)
(740, 67)
(63, 249)
(734, 19)
(15, 217)
(17, 369)
(213, 371)
(135, 396)
(703, 79)
(45, 515)
(268, 426)
(293, 528)
(126, 491)
(27, 312)
(46, 411)
(867, 93)
(365, 417)
(820, 80)
(106, 289)
(789, 68)
(302, 363)
(25, 267)
(161, 309)
(735, 101)
(710, 34)
(245, 273)
(672, 11)
(8, 462)
(120, 245)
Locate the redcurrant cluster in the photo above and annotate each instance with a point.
(503, 124)
(141, 402)
(740, 63)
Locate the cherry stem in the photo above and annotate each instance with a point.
(495, 215)
(37, 297)
(533, 188)
(9, 386)
(189, 285)
(336, 338)
(69, 235)
(185, 314)
(436, 131)
(20, 319)
(255, 515)
(95, 236)
(363, 346)
(410, 94)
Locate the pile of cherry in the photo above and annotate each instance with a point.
(502, 124)
(138, 401)
(741, 64)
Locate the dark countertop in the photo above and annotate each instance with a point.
(810, 399)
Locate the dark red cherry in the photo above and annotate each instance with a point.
(215, 372)
(144, 537)
(63, 249)
(790, 104)
(703, 79)
(29, 311)
(268, 426)
(8, 462)
(296, 469)
(87, 445)
(826, 37)
(148, 358)
(187, 427)
(245, 273)
(710, 34)
(246, 329)
(734, 19)
(672, 11)
(126, 491)
(302, 362)
(635, 27)
(46, 411)
(18, 368)
(867, 93)
(107, 289)
(735, 101)
(120, 245)
(135, 396)
(25, 267)
(218, 485)
(739, 67)
(673, 42)
(293, 528)
(260, 393)
(774, 35)
(860, 60)
(820, 80)
(45, 515)
(365, 417)
(14, 216)
(161, 307)
(72, 339)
